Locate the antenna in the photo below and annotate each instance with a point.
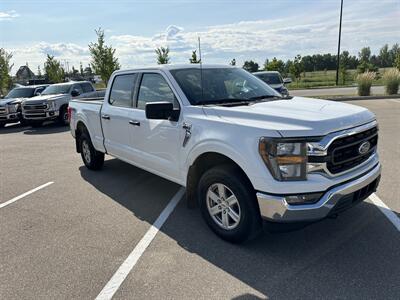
(201, 72)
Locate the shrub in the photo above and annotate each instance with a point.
(364, 81)
(391, 80)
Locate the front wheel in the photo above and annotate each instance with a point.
(228, 204)
(63, 116)
(92, 158)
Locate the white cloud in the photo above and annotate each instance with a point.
(305, 33)
(8, 15)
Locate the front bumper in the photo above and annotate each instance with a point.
(334, 200)
(45, 115)
(10, 117)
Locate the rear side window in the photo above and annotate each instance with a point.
(122, 90)
(87, 87)
(154, 88)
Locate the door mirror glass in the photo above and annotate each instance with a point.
(160, 110)
(75, 93)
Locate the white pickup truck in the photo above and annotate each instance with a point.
(242, 151)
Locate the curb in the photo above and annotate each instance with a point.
(352, 98)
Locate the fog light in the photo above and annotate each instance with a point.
(303, 199)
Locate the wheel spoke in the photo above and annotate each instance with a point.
(213, 196)
(215, 210)
(225, 220)
(235, 217)
(231, 200)
(221, 191)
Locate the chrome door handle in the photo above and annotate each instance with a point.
(134, 122)
(105, 117)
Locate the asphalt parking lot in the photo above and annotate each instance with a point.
(67, 240)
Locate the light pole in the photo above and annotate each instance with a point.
(338, 48)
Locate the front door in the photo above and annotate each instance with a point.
(158, 141)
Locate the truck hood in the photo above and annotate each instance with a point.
(298, 116)
(43, 98)
(4, 102)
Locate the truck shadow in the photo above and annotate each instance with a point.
(46, 128)
(333, 257)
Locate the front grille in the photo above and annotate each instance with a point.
(344, 153)
(354, 198)
(33, 111)
(3, 113)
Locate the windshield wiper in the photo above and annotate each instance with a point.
(227, 101)
(265, 97)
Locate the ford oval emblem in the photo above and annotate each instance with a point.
(364, 148)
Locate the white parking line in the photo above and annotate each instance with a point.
(25, 194)
(116, 280)
(386, 211)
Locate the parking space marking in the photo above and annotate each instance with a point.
(25, 194)
(123, 271)
(386, 210)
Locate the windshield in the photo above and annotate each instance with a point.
(272, 78)
(57, 89)
(221, 85)
(21, 93)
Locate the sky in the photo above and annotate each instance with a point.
(241, 29)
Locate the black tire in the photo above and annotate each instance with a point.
(2, 125)
(63, 116)
(250, 223)
(92, 158)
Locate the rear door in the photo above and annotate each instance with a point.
(115, 117)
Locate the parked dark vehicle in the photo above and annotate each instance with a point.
(274, 80)
(10, 106)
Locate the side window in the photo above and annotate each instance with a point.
(39, 90)
(87, 87)
(122, 90)
(78, 88)
(154, 88)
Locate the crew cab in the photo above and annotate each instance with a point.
(53, 102)
(242, 151)
(10, 106)
(274, 80)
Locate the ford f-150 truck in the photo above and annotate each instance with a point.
(242, 151)
(53, 102)
(10, 106)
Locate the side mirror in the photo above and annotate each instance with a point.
(160, 110)
(38, 93)
(75, 93)
(287, 80)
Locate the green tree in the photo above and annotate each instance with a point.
(233, 62)
(104, 62)
(365, 61)
(81, 69)
(343, 66)
(397, 61)
(53, 70)
(384, 56)
(296, 67)
(193, 59)
(275, 65)
(162, 55)
(250, 66)
(5, 69)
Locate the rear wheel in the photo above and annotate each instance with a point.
(92, 158)
(228, 204)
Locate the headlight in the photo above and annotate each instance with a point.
(51, 104)
(285, 159)
(12, 108)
